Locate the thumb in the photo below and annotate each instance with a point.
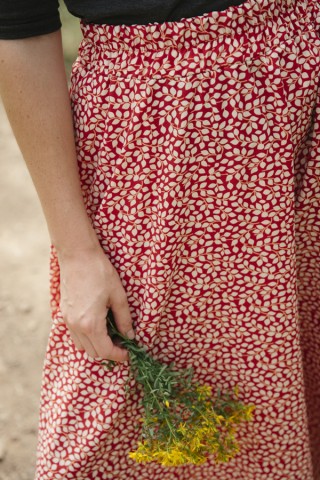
(120, 315)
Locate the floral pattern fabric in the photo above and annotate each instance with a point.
(198, 147)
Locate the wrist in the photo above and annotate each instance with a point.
(84, 243)
(79, 251)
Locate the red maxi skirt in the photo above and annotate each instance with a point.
(199, 155)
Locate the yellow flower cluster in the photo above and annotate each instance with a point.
(208, 433)
(183, 421)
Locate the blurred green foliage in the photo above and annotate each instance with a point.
(71, 36)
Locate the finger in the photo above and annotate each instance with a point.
(75, 339)
(106, 349)
(88, 345)
(118, 302)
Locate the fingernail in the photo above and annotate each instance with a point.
(130, 334)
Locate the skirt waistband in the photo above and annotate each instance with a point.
(252, 17)
(217, 39)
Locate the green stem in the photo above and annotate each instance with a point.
(161, 408)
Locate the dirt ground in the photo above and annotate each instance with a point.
(24, 309)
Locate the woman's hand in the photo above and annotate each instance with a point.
(34, 90)
(90, 285)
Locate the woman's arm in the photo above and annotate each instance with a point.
(34, 90)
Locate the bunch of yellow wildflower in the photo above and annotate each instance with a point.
(183, 422)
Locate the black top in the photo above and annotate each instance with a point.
(27, 18)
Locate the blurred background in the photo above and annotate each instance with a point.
(24, 294)
(71, 36)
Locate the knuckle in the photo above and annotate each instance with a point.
(67, 319)
(82, 325)
(70, 320)
(86, 327)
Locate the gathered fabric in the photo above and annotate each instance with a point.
(198, 146)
